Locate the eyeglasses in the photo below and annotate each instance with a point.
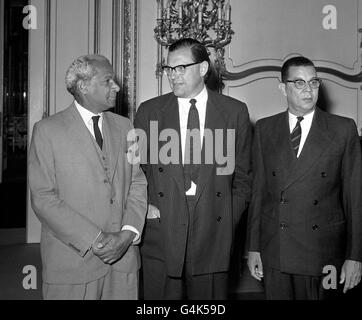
(180, 69)
(301, 84)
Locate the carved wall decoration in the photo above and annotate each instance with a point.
(269, 32)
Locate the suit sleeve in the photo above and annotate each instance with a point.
(258, 186)
(136, 202)
(142, 125)
(352, 193)
(68, 225)
(242, 175)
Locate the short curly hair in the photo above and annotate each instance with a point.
(82, 68)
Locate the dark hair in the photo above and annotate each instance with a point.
(294, 62)
(198, 51)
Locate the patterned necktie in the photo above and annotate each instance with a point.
(191, 170)
(296, 134)
(97, 132)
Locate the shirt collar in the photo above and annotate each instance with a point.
(85, 113)
(293, 118)
(200, 98)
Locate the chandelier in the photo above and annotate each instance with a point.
(207, 21)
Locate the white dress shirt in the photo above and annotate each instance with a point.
(305, 125)
(87, 118)
(183, 108)
(88, 121)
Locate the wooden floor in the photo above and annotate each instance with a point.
(15, 255)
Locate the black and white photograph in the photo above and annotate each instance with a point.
(189, 157)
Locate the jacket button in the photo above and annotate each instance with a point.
(218, 194)
(323, 174)
(105, 181)
(283, 225)
(160, 194)
(273, 173)
(160, 169)
(315, 227)
(218, 219)
(111, 201)
(315, 202)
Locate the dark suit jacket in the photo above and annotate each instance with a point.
(306, 213)
(74, 198)
(221, 199)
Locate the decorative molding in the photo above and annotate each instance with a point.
(344, 76)
(125, 54)
(226, 75)
(97, 25)
(46, 70)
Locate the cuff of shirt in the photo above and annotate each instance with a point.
(94, 241)
(130, 228)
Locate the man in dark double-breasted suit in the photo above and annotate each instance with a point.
(305, 218)
(192, 216)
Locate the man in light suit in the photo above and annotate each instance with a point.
(305, 217)
(90, 198)
(194, 206)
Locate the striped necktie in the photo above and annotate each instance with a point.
(296, 134)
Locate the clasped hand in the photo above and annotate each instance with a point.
(111, 246)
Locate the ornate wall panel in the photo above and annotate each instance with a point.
(125, 14)
(268, 32)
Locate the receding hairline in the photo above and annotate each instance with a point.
(97, 61)
(297, 62)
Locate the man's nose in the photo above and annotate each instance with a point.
(307, 86)
(115, 86)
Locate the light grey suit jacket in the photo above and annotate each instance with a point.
(74, 198)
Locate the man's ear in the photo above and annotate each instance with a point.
(282, 88)
(204, 67)
(82, 86)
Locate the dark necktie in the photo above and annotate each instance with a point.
(191, 169)
(97, 132)
(296, 134)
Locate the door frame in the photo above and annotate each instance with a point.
(1, 87)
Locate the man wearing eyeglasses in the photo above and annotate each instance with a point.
(305, 217)
(194, 206)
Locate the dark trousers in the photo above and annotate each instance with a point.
(157, 285)
(284, 286)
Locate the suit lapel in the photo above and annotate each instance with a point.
(81, 137)
(281, 145)
(169, 119)
(214, 120)
(318, 140)
(114, 140)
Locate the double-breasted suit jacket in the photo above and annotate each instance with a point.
(306, 213)
(220, 199)
(75, 193)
